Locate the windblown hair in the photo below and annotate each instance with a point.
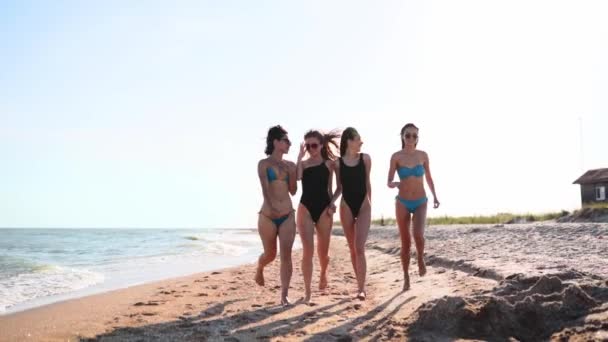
(326, 140)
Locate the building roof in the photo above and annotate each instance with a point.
(593, 176)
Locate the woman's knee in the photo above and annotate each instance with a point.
(360, 250)
(285, 256)
(418, 237)
(270, 255)
(307, 252)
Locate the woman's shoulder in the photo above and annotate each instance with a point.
(290, 164)
(422, 153)
(422, 156)
(263, 162)
(397, 154)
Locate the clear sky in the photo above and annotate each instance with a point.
(154, 113)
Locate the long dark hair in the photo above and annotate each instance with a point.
(274, 133)
(348, 134)
(409, 125)
(326, 140)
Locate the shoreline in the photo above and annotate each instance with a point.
(96, 289)
(472, 265)
(140, 270)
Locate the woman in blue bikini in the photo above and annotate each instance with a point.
(411, 203)
(278, 180)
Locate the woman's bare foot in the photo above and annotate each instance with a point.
(285, 301)
(323, 282)
(421, 267)
(259, 276)
(406, 282)
(306, 299)
(361, 295)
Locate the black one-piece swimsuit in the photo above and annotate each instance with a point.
(315, 192)
(354, 187)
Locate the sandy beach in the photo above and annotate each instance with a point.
(527, 282)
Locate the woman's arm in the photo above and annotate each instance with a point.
(293, 177)
(338, 190)
(368, 167)
(264, 183)
(300, 163)
(330, 166)
(391, 172)
(331, 206)
(429, 179)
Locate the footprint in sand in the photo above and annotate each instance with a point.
(149, 303)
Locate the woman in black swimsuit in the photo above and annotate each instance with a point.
(352, 173)
(315, 210)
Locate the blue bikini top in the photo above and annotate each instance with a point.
(272, 176)
(417, 171)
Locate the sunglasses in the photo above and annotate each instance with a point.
(410, 135)
(286, 140)
(311, 146)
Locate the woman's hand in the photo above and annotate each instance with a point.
(393, 185)
(331, 209)
(302, 151)
(436, 203)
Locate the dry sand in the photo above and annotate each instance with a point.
(525, 282)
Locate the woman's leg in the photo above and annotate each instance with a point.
(361, 232)
(348, 225)
(268, 234)
(419, 220)
(403, 221)
(306, 229)
(324, 226)
(287, 233)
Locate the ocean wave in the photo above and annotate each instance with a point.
(222, 248)
(42, 281)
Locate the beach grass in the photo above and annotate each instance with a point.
(483, 219)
